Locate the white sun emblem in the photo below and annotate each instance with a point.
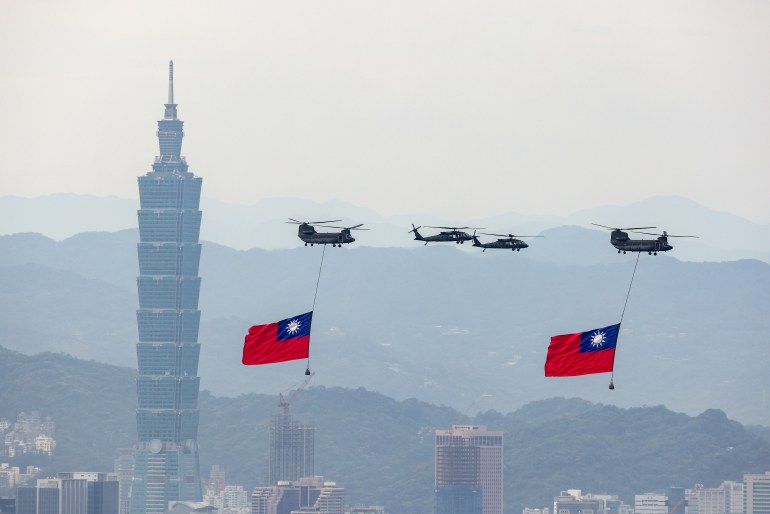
(597, 339)
(293, 327)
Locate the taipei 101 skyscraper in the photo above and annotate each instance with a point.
(166, 455)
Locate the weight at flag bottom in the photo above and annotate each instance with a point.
(583, 353)
(285, 340)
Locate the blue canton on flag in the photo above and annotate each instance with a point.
(297, 326)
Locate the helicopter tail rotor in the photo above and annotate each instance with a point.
(417, 235)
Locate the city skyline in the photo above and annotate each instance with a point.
(452, 110)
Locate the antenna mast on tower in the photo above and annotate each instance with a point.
(170, 82)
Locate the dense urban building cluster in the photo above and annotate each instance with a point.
(12, 476)
(70, 493)
(752, 496)
(29, 434)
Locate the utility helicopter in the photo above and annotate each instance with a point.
(620, 240)
(507, 241)
(307, 233)
(452, 234)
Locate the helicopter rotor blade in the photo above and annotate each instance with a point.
(320, 222)
(621, 228)
(345, 228)
(456, 228)
(511, 236)
(664, 234)
(311, 222)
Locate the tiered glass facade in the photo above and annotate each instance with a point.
(166, 456)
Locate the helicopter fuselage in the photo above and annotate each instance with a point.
(309, 235)
(453, 236)
(506, 244)
(623, 243)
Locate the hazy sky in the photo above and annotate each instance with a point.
(461, 109)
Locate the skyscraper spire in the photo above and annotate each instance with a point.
(170, 113)
(171, 82)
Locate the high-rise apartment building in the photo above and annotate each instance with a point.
(706, 500)
(88, 493)
(7, 505)
(70, 493)
(733, 496)
(469, 470)
(573, 502)
(124, 471)
(756, 493)
(292, 449)
(650, 503)
(308, 494)
(41, 499)
(166, 464)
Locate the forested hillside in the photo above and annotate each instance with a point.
(374, 445)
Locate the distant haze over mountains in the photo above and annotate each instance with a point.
(722, 236)
(449, 326)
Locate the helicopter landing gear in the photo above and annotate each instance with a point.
(624, 251)
(305, 244)
(656, 253)
(649, 253)
(618, 251)
(518, 249)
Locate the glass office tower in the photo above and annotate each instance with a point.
(166, 455)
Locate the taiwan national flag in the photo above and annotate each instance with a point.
(287, 340)
(583, 353)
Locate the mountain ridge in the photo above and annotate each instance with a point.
(723, 236)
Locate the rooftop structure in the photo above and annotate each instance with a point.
(308, 494)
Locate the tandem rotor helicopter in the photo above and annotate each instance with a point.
(451, 234)
(620, 240)
(307, 233)
(507, 241)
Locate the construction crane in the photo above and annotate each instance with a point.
(285, 402)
